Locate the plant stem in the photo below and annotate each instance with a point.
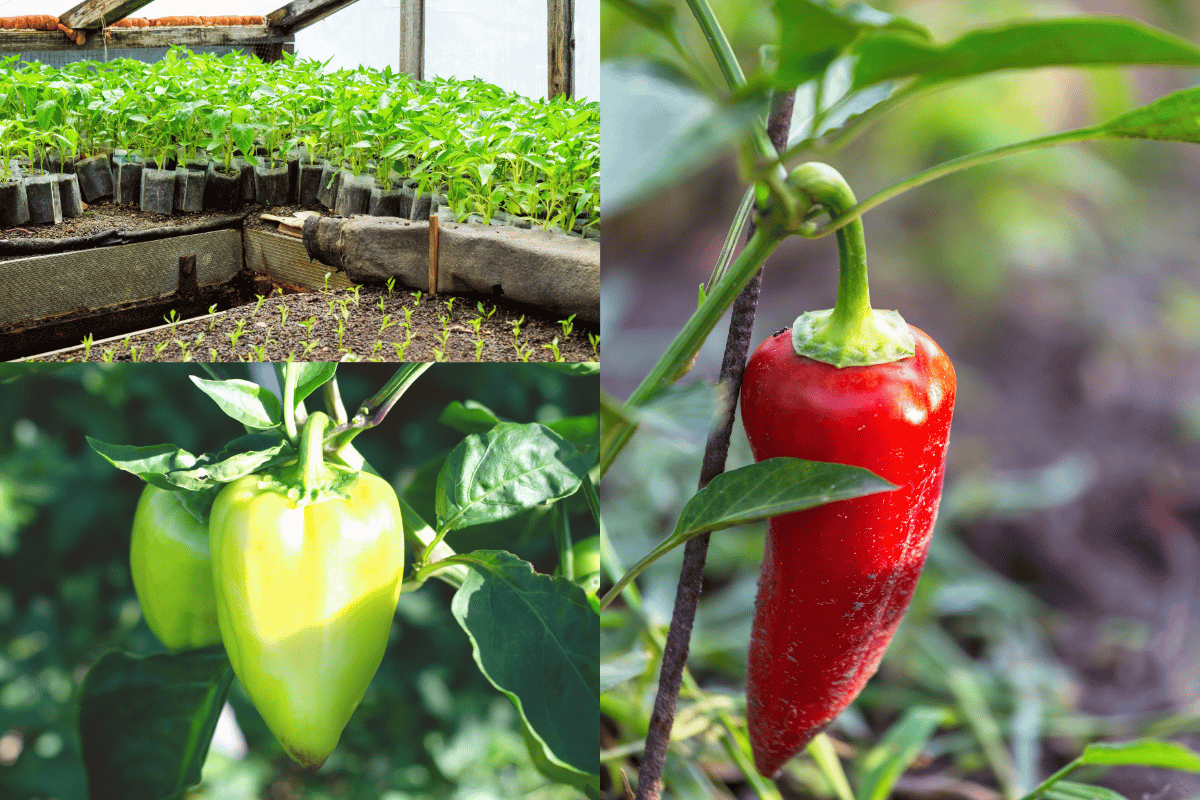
(948, 168)
(290, 375)
(310, 471)
(695, 553)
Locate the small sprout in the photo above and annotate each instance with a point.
(308, 348)
(87, 346)
(417, 296)
(553, 348)
(355, 289)
(341, 330)
(327, 274)
(172, 318)
(391, 284)
(594, 341)
(183, 349)
(376, 349)
(346, 309)
(213, 352)
(260, 351)
(438, 355)
(133, 352)
(479, 349)
(158, 348)
(386, 323)
(261, 300)
(450, 304)
(476, 323)
(108, 354)
(401, 347)
(568, 325)
(283, 311)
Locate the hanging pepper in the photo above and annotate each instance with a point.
(857, 386)
(307, 564)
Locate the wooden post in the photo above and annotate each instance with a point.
(560, 35)
(89, 13)
(412, 38)
(433, 253)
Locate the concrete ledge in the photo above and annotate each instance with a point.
(552, 271)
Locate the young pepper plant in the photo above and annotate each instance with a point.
(830, 73)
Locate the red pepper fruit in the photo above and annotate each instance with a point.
(852, 386)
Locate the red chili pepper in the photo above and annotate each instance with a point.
(871, 392)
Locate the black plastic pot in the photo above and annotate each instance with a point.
(271, 185)
(295, 158)
(327, 195)
(421, 204)
(129, 182)
(223, 190)
(158, 190)
(189, 190)
(95, 178)
(354, 194)
(41, 193)
(389, 203)
(247, 171)
(68, 194)
(308, 183)
(14, 206)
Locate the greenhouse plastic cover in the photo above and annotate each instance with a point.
(504, 43)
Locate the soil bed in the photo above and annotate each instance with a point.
(265, 332)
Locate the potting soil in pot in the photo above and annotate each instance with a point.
(69, 197)
(14, 207)
(95, 178)
(158, 190)
(271, 185)
(222, 190)
(41, 192)
(189, 190)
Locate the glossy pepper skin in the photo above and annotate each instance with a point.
(306, 593)
(172, 572)
(836, 579)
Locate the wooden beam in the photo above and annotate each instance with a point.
(190, 36)
(412, 38)
(87, 14)
(560, 33)
(300, 14)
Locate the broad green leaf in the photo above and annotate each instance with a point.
(497, 475)
(658, 128)
(313, 375)
(838, 104)
(770, 488)
(1143, 752)
(469, 417)
(146, 723)
(1080, 41)
(150, 463)
(536, 639)
(813, 33)
(658, 17)
(883, 764)
(169, 467)
(248, 403)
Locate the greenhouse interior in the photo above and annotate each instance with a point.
(408, 180)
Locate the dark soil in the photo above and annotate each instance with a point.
(105, 216)
(347, 326)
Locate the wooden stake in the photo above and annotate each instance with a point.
(433, 254)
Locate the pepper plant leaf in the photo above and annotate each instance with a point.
(498, 474)
(146, 723)
(1174, 117)
(313, 375)
(658, 127)
(247, 402)
(468, 417)
(813, 33)
(169, 467)
(535, 638)
(770, 488)
(1077, 41)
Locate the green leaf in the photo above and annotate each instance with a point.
(626, 668)
(312, 376)
(247, 402)
(148, 463)
(169, 467)
(1080, 41)
(469, 417)
(573, 367)
(496, 475)
(838, 103)
(657, 128)
(1142, 752)
(1068, 790)
(812, 34)
(1174, 117)
(657, 17)
(769, 488)
(883, 764)
(146, 723)
(536, 639)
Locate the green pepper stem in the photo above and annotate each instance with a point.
(851, 333)
(309, 471)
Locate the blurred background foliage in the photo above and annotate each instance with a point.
(1061, 602)
(430, 725)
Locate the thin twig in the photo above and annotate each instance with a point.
(687, 596)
